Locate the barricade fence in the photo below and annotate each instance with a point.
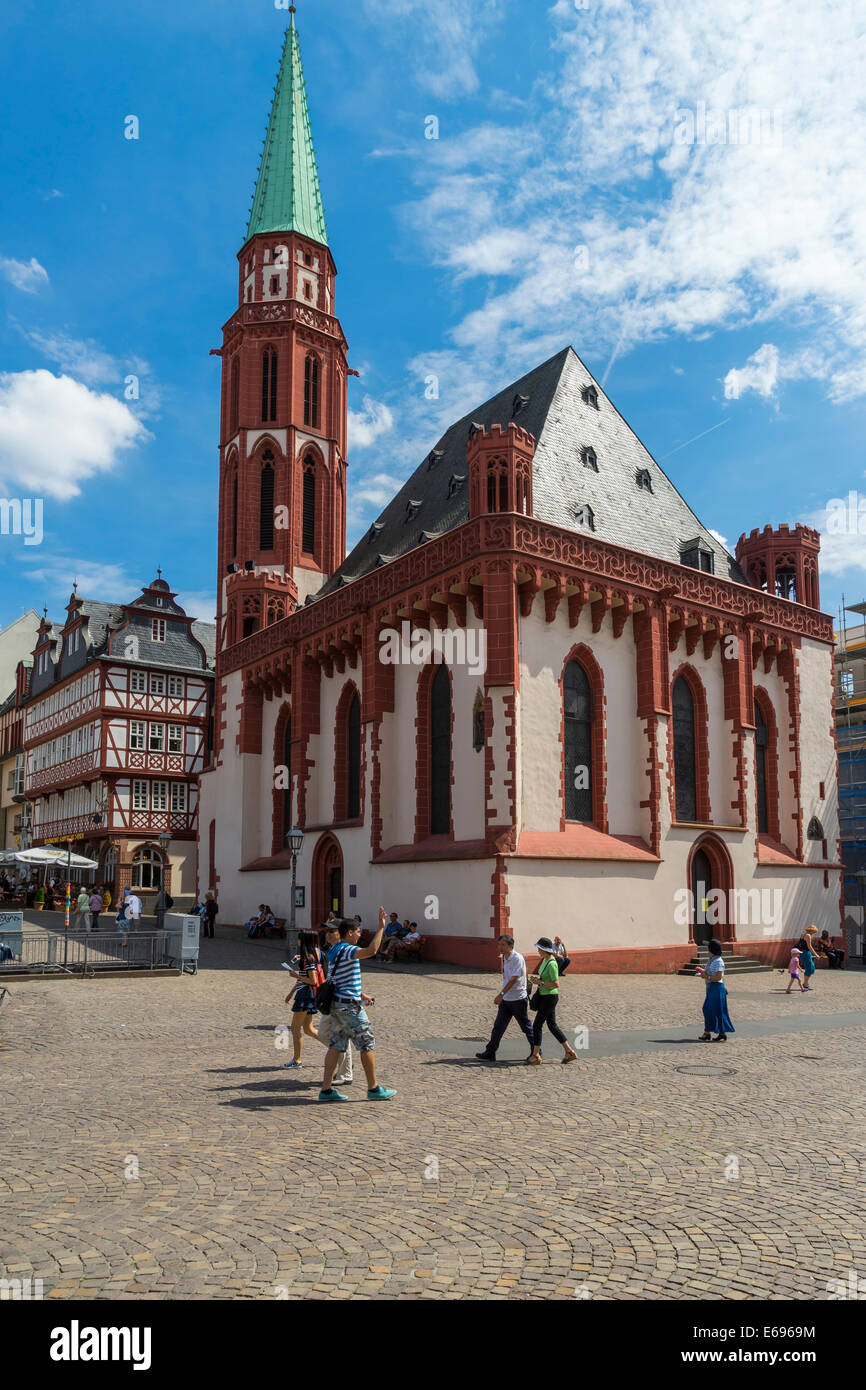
(86, 953)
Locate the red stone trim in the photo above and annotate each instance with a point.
(723, 878)
(789, 671)
(520, 539)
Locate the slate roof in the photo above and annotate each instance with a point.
(548, 402)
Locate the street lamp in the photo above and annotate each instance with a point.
(294, 840)
(164, 842)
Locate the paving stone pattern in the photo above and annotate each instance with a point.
(605, 1179)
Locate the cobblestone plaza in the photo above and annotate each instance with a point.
(155, 1149)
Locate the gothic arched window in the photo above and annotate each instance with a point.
(440, 752)
(353, 759)
(311, 391)
(578, 743)
(762, 746)
(266, 502)
(287, 790)
(308, 520)
(235, 514)
(147, 866)
(269, 384)
(685, 751)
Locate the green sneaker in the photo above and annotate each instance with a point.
(332, 1095)
(381, 1093)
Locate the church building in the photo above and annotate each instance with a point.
(538, 696)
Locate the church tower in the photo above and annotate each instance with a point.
(282, 501)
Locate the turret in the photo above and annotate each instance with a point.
(782, 560)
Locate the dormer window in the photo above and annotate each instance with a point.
(412, 510)
(697, 555)
(373, 532)
(643, 479)
(433, 458)
(158, 630)
(518, 404)
(475, 428)
(455, 483)
(585, 516)
(589, 396)
(588, 459)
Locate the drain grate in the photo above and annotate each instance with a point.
(707, 1071)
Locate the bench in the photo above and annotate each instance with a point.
(278, 929)
(412, 948)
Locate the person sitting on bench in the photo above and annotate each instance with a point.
(396, 942)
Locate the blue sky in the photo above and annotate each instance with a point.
(577, 192)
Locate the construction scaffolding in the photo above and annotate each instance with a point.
(850, 710)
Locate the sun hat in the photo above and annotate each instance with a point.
(544, 943)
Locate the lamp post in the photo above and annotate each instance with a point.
(68, 898)
(294, 840)
(164, 842)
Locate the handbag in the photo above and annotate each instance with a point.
(324, 996)
(533, 1003)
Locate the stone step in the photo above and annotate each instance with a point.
(734, 965)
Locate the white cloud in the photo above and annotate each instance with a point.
(444, 35)
(719, 537)
(682, 239)
(366, 426)
(760, 374)
(55, 433)
(82, 358)
(105, 582)
(29, 276)
(376, 491)
(200, 604)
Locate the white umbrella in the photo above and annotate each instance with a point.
(49, 855)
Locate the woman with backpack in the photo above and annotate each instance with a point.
(544, 1003)
(310, 973)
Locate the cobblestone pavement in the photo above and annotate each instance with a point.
(620, 1177)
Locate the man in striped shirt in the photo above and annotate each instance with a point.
(349, 1021)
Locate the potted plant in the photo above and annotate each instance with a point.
(39, 900)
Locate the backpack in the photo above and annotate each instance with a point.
(325, 993)
(169, 902)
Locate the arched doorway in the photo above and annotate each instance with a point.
(326, 880)
(710, 879)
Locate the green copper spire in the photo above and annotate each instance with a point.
(287, 196)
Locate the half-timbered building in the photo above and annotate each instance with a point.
(538, 695)
(116, 717)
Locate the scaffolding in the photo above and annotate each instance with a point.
(850, 702)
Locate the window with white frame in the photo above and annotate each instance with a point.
(175, 738)
(175, 686)
(136, 733)
(137, 681)
(156, 738)
(159, 796)
(158, 629)
(178, 796)
(157, 684)
(139, 796)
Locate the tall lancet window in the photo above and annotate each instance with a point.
(440, 753)
(578, 743)
(269, 385)
(266, 503)
(762, 746)
(685, 751)
(353, 759)
(308, 520)
(311, 391)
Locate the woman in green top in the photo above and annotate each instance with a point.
(547, 980)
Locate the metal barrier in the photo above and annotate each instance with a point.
(86, 953)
